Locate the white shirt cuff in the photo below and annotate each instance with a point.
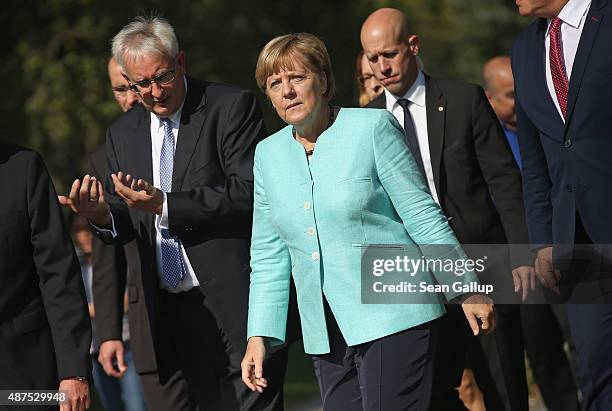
(113, 231)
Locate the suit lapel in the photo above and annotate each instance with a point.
(536, 97)
(140, 157)
(587, 38)
(140, 151)
(435, 107)
(192, 119)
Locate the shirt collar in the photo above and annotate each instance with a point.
(175, 118)
(415, 94)
(572, 13)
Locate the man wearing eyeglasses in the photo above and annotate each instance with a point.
(182, 187)
(125, 354)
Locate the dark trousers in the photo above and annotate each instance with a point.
(171, 395)
(590, 324)
(544, 336)
(192, 341)
(391, 373)
(496, 360)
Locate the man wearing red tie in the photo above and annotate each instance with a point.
(562, 67)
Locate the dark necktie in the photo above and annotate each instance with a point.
(411, 137)
(557, 64)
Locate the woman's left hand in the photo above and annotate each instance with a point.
(252, 364)
(479, 307)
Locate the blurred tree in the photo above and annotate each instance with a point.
(57, 98)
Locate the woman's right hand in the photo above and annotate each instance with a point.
(252, 364)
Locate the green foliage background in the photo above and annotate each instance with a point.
(56, 95)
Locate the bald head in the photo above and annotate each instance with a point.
(125, 97)
(391, 48)
(386, 21)
(499, 87)
(497, 67)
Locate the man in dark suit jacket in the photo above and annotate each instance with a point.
(471, 173)
(193, 232)
(562, 67)
(44, 326)
(115, 269)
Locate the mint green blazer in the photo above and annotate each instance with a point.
(310, 220)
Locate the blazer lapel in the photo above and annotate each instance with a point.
(435, 107)
(192, 119)
(140, 155)
(536, 96)
(140, 151)
(587, 38)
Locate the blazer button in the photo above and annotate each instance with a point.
(315, 256)
(307, 205)
(310, 231)
(567, 143)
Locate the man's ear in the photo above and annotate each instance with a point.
(413, 44)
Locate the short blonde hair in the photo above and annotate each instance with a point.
(282, 52)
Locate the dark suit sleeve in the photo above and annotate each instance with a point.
(536, 181)
(233, 198)
(60, 282)
(119, 210)
(501, 174)
(109, 273)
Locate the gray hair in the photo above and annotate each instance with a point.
(144, 36)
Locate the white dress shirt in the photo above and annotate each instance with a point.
(416, 95)
(161, 221)
(572, 16)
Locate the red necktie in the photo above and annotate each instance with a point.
(557, 64)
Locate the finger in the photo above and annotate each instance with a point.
(121, 362)
(525, 285)
(107, 364)
(532, 279)
(74, 192)
(74, 401)
(65, 406)
(84, 191)
(129, 181)
(93, 191)
(516, 281)
(88, 400)
(473, 323)
(101, 192)
(258, 367)
(247, 374)
(65, 201)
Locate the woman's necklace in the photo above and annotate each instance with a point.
(308, 146)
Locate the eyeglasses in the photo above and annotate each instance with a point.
(145, 85)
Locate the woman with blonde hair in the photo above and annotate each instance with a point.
(332, 181)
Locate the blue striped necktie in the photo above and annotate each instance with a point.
(173, 266)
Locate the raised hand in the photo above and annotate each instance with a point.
(87, 198)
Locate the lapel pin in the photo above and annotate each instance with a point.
(440, 108)
(595, 19)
